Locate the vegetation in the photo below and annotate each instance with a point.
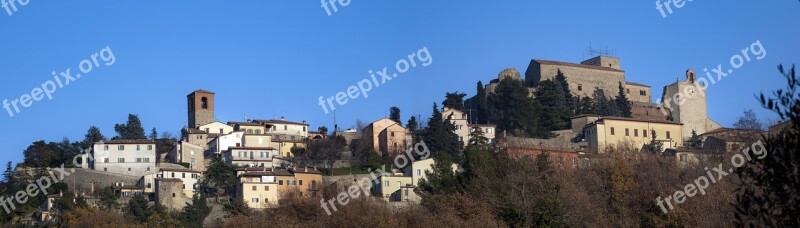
(394, 115)
(131, 130)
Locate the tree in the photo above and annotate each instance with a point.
(137, 206)
(454, 101)
(108, 199)
(327, 151)
(40, 154)
(767, 195)
(585, 106)
(194, 214)
(8, 175)
(623, 103)
(219, 176)
(561, 79)
(394, 114)
(748, 121)
(412, 124)
(93, 135)
(695, 141)
(483, 105)
(556, 111)
(440, 136)
(478, 140)
(514, 111)
(655, 146)
(236, 206)
(153, 134)
(323, 130)
(132, 130)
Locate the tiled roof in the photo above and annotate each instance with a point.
(243, 123)
(278, 122)
(179, 170)
(203, 91)
(548, 62)
(309, 170)
(130, 141)
(250, 148)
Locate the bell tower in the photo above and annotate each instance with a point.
(687, 104)
(201, 108)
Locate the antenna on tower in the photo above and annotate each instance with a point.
(596, 52)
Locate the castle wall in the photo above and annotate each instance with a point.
(582, 80)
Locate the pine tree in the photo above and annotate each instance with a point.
(440, 136)
(623, 104)
(556, 111)
(585, 106)
(655, 146)
(154, 134)
(514, 112)
(132, 130)
(482, 104)
(454, 101)
(695, 141)
(93, 135)
(394, 115)
(412, 124)
(8, 175)
(600, 102)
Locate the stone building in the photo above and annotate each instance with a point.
(386, 137)
(170, 193)
(201, 108)
(685, 102)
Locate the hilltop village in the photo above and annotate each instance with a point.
(583, 112)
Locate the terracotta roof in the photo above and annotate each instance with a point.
(548, 62)
(278, 122)
(130, 141)
(636, 84)
(178, 170)
(257, 174)
(636, 120)
(282, 172)
(243, 123)
(310, 170)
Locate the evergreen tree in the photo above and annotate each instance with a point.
(412, 124)
(482, 106)
(323, 130)
(440, 136)
(600, 102)
(571, 101)
(514, 111)
(153, 134)
(655, 146)
(132, 130)
(623, 103)
(8, 175)
(93, 135)
(194, 214)
(478, 140)
(695, 141)
(555, 106)
(585, 106)
(394, 114)
(454, 101)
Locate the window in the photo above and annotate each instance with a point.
(120, 160)
(644, 133)
(580, 87)
(138, 160)
(627, 133)
(183, 175)
(304, 128)
(221, 131)
(285, 127)
(642, 92)
(138, 147)
(129, 169)
(255, 200)
(668, 135)
(121, 147)
(105, 160)
(612, 131)
(173, 175)
(399, 184)
(683, 158)
(105, 169)
(386, 184)
(105, 147)
(266, 188)
(147, 160)
(199, 136)
(291, 183)
(191, 152)
(635, 132)
(392, 134)
(301, 182)
(628, 91)
(254, 188)
(149, 147)
(419, 172)
(204, 103)
(280, 182)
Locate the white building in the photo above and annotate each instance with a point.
(284, 127)
(128, 157)
(190, 178)
(216, 128)
(222, 143)
(459, 119)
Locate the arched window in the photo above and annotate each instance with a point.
(204, 102)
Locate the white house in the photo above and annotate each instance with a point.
(128, 157)
(216, 128)
(222, 143)
(284, 127)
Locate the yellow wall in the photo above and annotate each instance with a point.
(599, 135)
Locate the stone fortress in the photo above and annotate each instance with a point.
(605, 72)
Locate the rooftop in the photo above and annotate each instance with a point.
(128, 141)
(548, 62)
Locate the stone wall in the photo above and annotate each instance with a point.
(582, 80)
(81, 180)
(169, 192)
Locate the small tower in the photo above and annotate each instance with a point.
(693, 111)
(201, 108)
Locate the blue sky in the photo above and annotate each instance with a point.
(268, 59)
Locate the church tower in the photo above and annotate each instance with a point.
(201, 108)
(687, 104)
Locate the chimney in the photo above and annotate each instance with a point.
(283, 118)
(305, 169)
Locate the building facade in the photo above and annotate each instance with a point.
(201, 108)
(616, 131)
(127, 157)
